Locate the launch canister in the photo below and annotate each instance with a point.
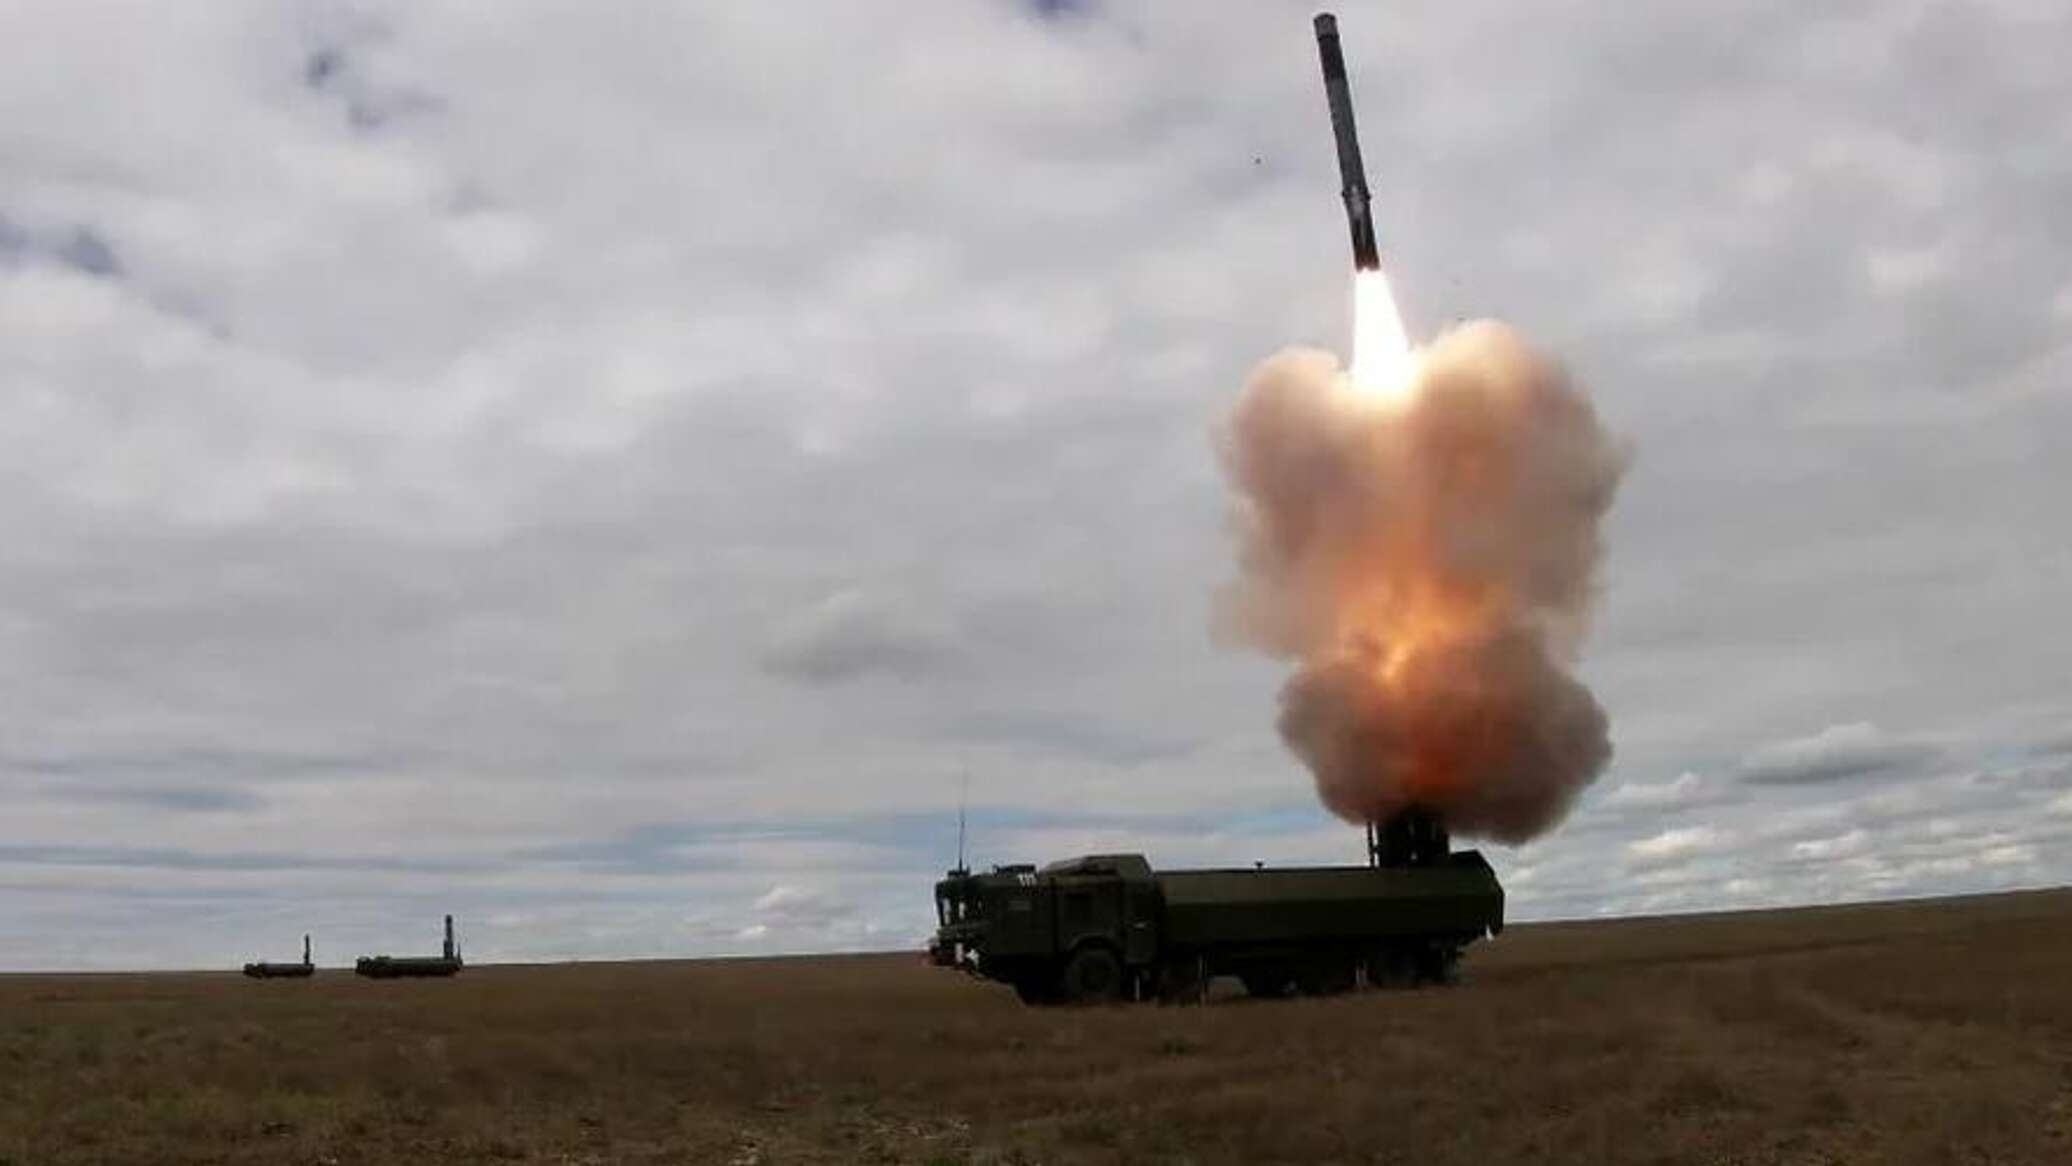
(1352, 172)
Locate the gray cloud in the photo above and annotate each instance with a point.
(1682, 796)
(2051, 748)
(850, 635)
(1060, 8)
(81, 248)
(164, 797)
(802, 906)
(173, 859)
(1836, 753)
(202, 763)
(86, 250)
(1069, 734)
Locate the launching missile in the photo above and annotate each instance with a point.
(1352, 173)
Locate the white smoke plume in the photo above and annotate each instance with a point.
(1427, 554)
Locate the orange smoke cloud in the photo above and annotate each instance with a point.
(1428, 559)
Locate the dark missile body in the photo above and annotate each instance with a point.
(1352, 172)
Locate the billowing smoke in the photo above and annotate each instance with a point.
(1425, 551)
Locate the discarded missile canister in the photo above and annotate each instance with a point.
(1352, 172)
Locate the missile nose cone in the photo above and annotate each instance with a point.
(1327, 24)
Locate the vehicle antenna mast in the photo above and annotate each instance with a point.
(963, 798)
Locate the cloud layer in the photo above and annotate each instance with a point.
(594, 471)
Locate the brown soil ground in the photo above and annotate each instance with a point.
(1933, 1032)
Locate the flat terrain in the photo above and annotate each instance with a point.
(1929, 1032)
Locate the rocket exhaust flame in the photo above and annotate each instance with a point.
(1428, 566)
(1381, 347)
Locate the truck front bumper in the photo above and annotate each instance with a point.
(952, 947)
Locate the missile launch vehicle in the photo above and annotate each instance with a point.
(390, 967)
(1109, 927)
(264, 970)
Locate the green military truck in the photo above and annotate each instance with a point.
(396, 967)
(1108, 927)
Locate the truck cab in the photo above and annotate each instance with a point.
(1082, 929)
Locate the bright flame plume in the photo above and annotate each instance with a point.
(1381, 346)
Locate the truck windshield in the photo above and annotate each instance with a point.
(951, 907)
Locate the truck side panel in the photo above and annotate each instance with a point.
(1218, 908)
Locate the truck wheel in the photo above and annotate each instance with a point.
(1436, 964)
(1327, 979)
(1391, 967)
(1093, 977)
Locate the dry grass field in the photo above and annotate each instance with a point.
(1918, 1033)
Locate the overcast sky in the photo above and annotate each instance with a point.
(612, 471)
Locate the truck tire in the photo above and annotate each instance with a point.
(1437, 964)
(1391, 967)
(1327, 979)
(1092, 976)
